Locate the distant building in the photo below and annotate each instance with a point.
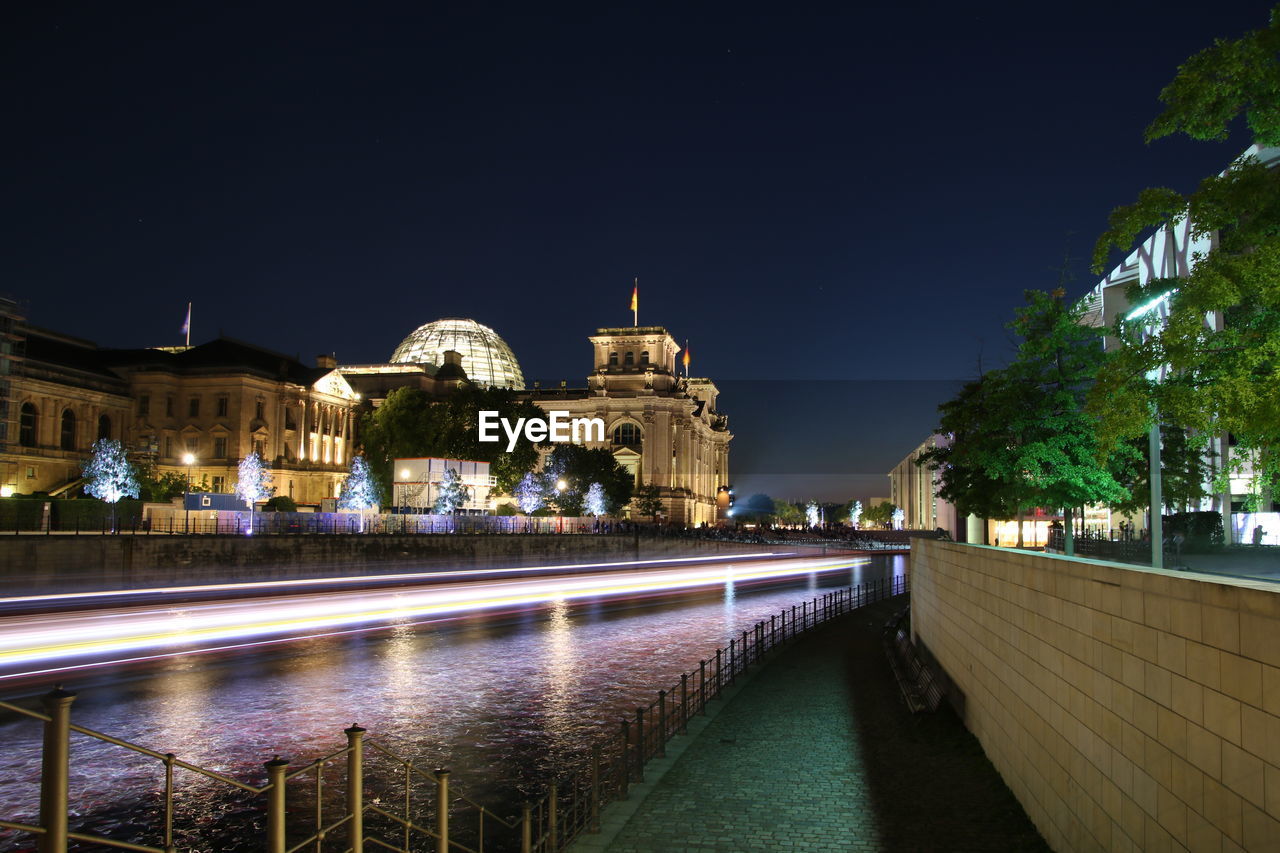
(914, 490)
(416, 483)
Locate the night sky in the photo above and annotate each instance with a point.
(838, 206)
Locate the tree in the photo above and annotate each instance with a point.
(452, 493)
(898, 517)
(253, 483)
(531, 493)
(788, 514)
(280, 503)
(854, 513)
(1218, 377)
(410, 423)
(1020, 437)
(359, 491)
(578, 467)
(812, 515)
(879, 514)
(1183, 470)
(648, 501)
(596, 502)
(109, 474)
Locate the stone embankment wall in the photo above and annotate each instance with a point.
(46, 564)
(1127, 708)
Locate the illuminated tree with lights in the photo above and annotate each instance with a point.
(109, 474)
(452, 493)
(812, 515)
(899, 516)
(855, 513)
(253, 483)
(597, 503)
(359, 492)
(530, 493)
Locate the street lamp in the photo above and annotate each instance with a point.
(188, 459)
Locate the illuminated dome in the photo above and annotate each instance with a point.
(485, 356)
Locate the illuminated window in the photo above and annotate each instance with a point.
(627, 434)
(67, 438)
(27, 425)
(219, 484)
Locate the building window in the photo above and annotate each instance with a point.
(222, 407)
(193, 407)
(219, 484)
(168, 406)
(220, 447)
(168, 447)
(260, 410)
(193, 445)
(260, 448)
(626, 434)
(31, 472)
(644, 357)
(104, 427)
(144, 405)
(67, 436)
(27, 425)
(613, 359)
(290, 422)
(630, 360)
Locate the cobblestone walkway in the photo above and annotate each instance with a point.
(816, 752)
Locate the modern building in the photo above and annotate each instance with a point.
(416, 483)
(913, 489)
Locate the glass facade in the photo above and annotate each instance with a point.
(485, 357)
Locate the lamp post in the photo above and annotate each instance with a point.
(561, 485)
(188, 459)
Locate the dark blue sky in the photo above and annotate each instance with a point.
(826, 194)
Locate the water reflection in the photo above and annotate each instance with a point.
(505, 700)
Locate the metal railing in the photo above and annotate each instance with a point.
(393, 819)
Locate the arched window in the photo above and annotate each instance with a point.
(104, 427)
(613, 359)
(644, 357)
(27, 425)
(630, 360)
(67, 436)
(627, 434)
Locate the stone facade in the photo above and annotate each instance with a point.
(662, 427)
(1126, 708)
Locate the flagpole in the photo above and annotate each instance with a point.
(188, 325)
(635, 303)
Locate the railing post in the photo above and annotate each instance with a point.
(355, 787)
(594, 825)
(442, 811)
(662, 724)
(717, 674)
(684, 702)
(640, 756)
(526, 829)
(733, 660)
(276, 769)
(55, 769)
(702, 687)
(626, 760)
(553, 819)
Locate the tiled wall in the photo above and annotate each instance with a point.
(1127, 709)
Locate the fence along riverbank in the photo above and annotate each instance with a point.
(390, 803)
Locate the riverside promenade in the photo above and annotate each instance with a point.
(816, 751)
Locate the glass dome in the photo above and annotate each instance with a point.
(485, 356)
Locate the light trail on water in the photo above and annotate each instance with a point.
(48, 643)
